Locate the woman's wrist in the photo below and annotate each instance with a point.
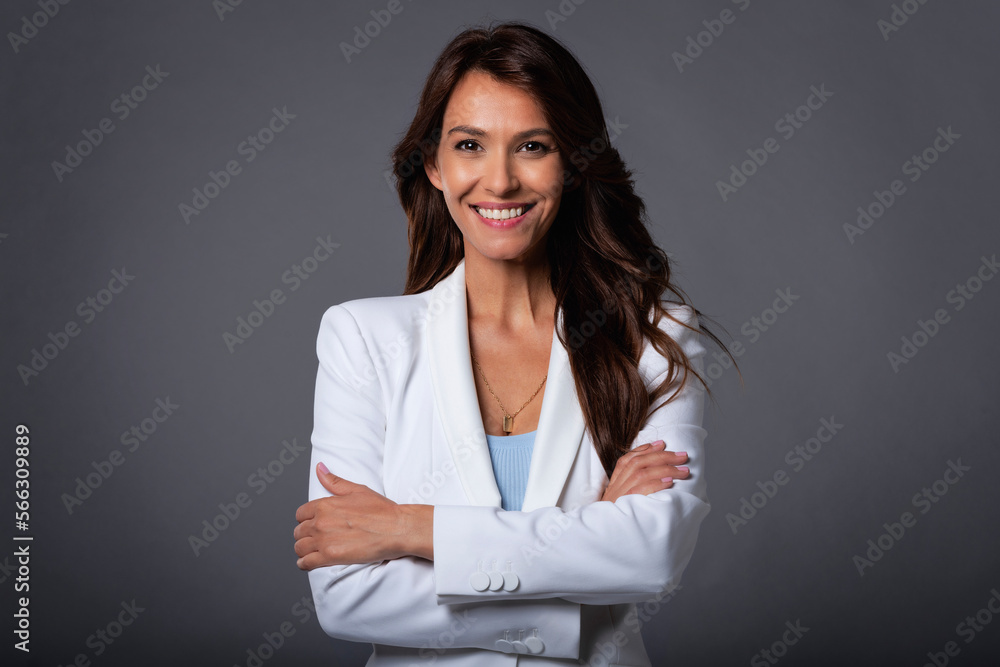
(417, 538)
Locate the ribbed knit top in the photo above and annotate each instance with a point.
(511, 457)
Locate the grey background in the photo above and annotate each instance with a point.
(826, 357)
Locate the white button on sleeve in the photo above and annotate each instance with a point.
(534, 644)
(479, 580)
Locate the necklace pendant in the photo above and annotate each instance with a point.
(508, 423)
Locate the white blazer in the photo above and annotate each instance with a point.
(396, 409)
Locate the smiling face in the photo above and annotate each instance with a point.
(499, 169)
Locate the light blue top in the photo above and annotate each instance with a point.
(511, 456)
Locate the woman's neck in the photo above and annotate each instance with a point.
(509, 294)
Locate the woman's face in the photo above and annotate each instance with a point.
(497, 153)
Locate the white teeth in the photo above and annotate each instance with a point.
(500, 213)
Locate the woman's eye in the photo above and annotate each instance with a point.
(470, 145)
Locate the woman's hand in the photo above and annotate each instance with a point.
(358, 525)
(646, 469)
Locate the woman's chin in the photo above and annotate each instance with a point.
(506, 251)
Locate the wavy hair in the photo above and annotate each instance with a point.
(602, 257)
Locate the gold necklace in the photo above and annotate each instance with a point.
(508, 419)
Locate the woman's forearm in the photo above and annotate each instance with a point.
(418, 532)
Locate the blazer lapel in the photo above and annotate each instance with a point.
(560, 431)
(560, 425)
(455, 390)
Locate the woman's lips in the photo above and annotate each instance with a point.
(509, 222)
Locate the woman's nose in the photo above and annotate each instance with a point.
(500, 176)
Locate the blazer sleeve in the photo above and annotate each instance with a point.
(394, 602)
(603, 552)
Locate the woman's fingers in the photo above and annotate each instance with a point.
(652, 458)
(646, 469)
(354, 525)
(651, 487)
(653, 450)
(306, 545)
(661, 471)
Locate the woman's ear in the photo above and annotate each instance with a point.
(431, 169)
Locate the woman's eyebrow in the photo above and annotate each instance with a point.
(476, 132)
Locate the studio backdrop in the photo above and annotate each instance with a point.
(187, 186)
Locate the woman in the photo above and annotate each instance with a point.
(459, 513)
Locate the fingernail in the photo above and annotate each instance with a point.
(681, 453)
(659, 442)
(323, 469)
(684, 468)
(667, 480)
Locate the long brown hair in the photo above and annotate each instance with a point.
(604, 264)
